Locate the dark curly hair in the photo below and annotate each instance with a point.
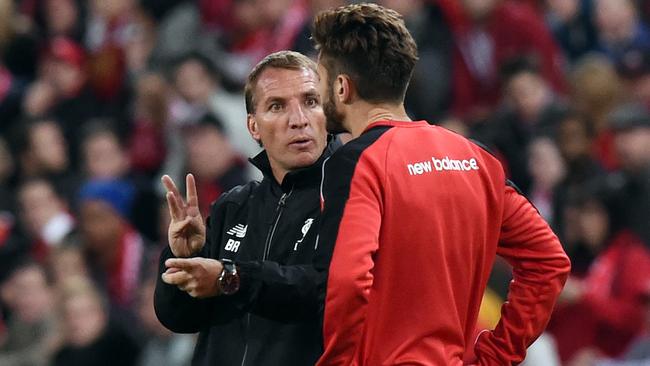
(371, 45)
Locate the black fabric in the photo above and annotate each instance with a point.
(273, 319)
(337, 178)
(113, 347)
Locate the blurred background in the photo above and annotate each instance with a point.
(99, 98)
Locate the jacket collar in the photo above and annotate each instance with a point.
(299, 177)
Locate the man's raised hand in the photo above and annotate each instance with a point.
(186, 228)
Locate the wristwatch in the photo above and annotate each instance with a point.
(229, 278)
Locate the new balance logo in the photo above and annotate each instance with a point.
(238, 230)
(441, 165)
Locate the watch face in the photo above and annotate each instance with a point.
(229, 281)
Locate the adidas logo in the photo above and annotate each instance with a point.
(238, 230)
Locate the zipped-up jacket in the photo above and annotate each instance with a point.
(269, 230)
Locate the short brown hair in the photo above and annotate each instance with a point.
(281, 60)
(371, 45)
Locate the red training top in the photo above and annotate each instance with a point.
(416, 214)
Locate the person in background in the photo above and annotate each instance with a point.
(547, 170)
(115, 251)
(162, 347)
(216, 166)
(530, 109)
(90, 337)
(629, 187)
(105, 157)
(196, 81)
(45, 216)
(43, 152)
(602, 311)
(32, 330)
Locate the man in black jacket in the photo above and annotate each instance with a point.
(245, 281)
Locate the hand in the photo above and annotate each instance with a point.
(186, 229)
(199, 277)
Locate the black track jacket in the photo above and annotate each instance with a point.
(270, 231)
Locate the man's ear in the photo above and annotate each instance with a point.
(251, 123)
(344, 88)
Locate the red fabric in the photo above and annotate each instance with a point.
(5, 83)
(125, 270)
(516, 29)
(216, 14)
(207, 192)
(605, 151)
(414, 251)
(68, 51)
(281, 36)
(611, 312)
(147, 147)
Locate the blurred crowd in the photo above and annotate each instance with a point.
(99, 98)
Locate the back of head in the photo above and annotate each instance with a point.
(371, 45)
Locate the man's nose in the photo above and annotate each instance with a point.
(297, 116)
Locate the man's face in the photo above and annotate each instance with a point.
(633, 148)
(334, 118)
(288, 118)
(104, 157)
(48, 145)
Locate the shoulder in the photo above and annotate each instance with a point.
(238, 195)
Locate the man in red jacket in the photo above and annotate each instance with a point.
(416, 215)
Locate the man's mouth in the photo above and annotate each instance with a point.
(301, 142)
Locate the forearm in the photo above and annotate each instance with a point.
(284, 293)
(175, 309)
(540, 269)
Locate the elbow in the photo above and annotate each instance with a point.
(174, 316)
(175, 322)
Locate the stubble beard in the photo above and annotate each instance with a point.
(333, 118)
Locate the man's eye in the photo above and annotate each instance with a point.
(312, 102)
(275, 107)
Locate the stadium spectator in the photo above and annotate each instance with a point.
(90, 337)
(596, 91)
(487, 34)
(115, 251)
(604, 310)
(619, 28)
(196, 81)
(45, 216)
(32, 330)
(43, 152)
(530, 109)
(572, 24)
(162, 347)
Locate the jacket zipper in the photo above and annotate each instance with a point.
(267, 249)
(278, 213)
(248, 323)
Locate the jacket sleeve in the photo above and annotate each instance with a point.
(350, 224)
(182, 313)
(281, 292)
(540, 269)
